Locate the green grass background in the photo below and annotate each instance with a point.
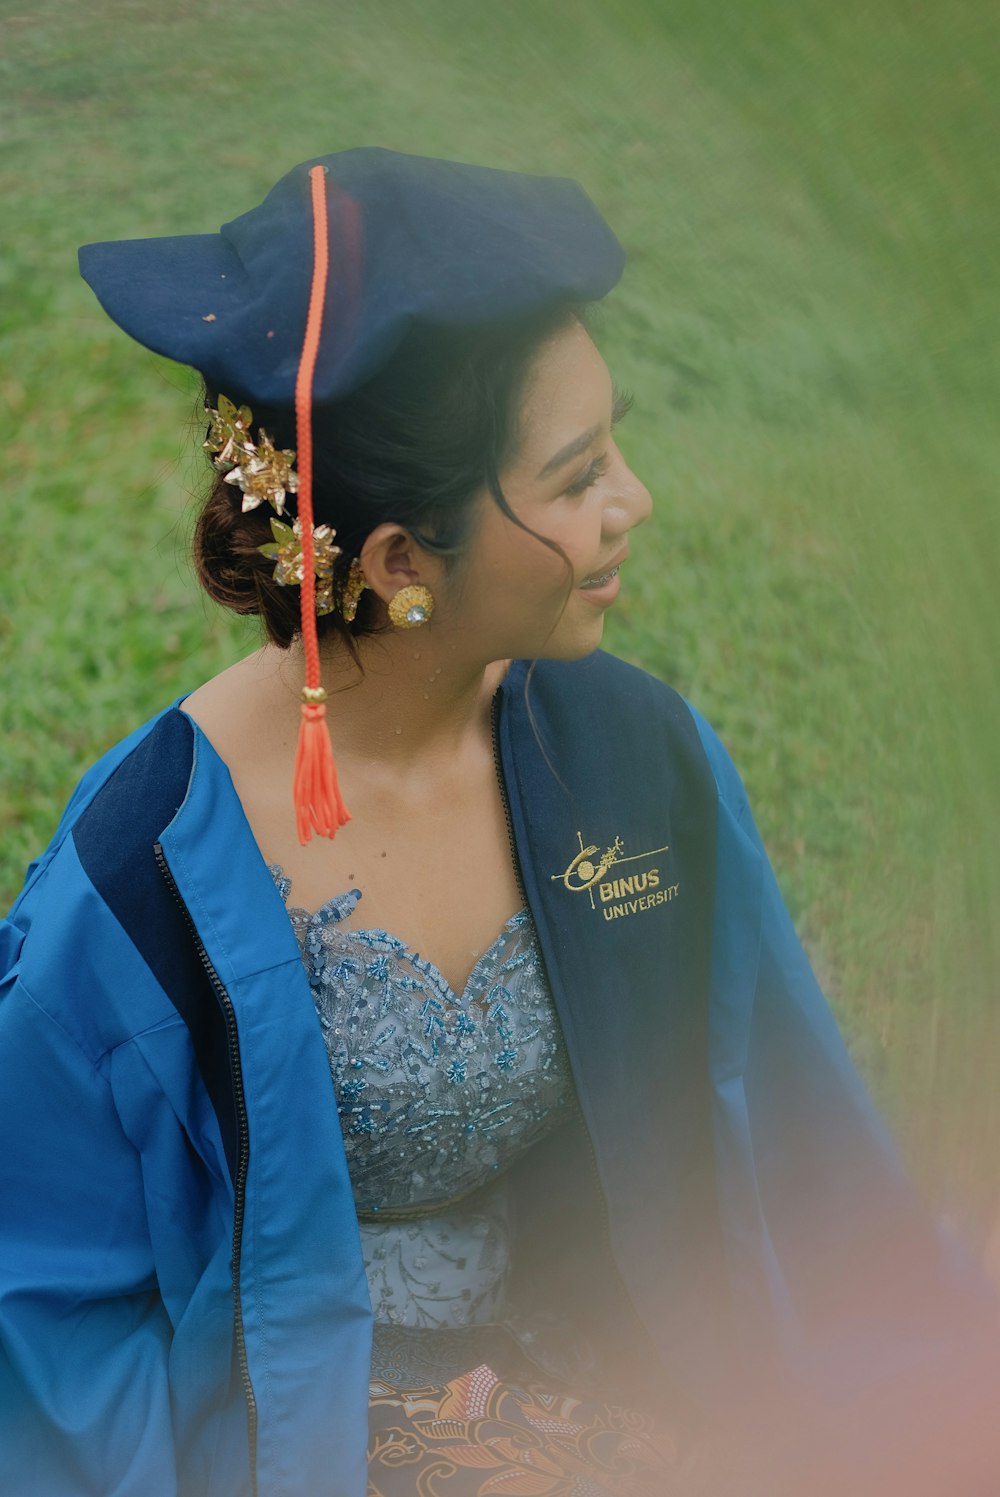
(808, 197)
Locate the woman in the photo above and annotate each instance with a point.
(595, 1184)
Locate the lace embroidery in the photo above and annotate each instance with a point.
(437, 1095)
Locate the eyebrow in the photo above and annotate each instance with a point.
(622, 405)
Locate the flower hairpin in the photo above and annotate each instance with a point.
(265, 474)
(286, 551)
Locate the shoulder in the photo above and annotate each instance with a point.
(113, 805)
(603, 699)
(134, 798)
(94, 911)
(635, 710)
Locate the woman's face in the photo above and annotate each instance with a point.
(569, 483)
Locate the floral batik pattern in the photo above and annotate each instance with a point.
(480, 1436)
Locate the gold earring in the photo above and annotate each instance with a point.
(354, 586)
(411, 606)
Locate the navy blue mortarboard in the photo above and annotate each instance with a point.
(305, 298)
(412, 239)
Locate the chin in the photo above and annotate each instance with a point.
(571, 647)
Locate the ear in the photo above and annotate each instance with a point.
(391, 559)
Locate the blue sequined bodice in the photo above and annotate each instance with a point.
(437, 1094)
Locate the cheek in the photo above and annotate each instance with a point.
(522, 563)
(520, 574)
(544, 577)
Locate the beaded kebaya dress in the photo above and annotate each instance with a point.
(438, 1094)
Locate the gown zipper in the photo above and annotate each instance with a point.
(243, 1159)
(603, 1205)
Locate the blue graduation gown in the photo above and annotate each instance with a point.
(183, 1306)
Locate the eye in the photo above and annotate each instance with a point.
(590, 475)
(623, 403)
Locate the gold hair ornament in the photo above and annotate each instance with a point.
(265, 473)
(352, 589)
(286, 551)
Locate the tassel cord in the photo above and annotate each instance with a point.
(319, 806)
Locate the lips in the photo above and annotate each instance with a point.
(598, 579)
(602, 580)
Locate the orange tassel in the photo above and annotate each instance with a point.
(318, 804)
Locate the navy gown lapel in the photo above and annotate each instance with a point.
(615, 836)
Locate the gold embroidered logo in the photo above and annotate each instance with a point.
(620, 896)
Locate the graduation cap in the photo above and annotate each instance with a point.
(306, 297)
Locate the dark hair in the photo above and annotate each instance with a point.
(414, 445)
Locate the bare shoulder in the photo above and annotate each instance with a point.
(238, 708)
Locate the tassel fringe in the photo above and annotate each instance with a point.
(318, 804)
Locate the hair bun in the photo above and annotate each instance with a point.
(232, 570)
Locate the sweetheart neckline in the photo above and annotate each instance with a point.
(326, 915)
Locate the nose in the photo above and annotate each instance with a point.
(629, 502)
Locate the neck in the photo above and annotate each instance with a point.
(412, 700)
